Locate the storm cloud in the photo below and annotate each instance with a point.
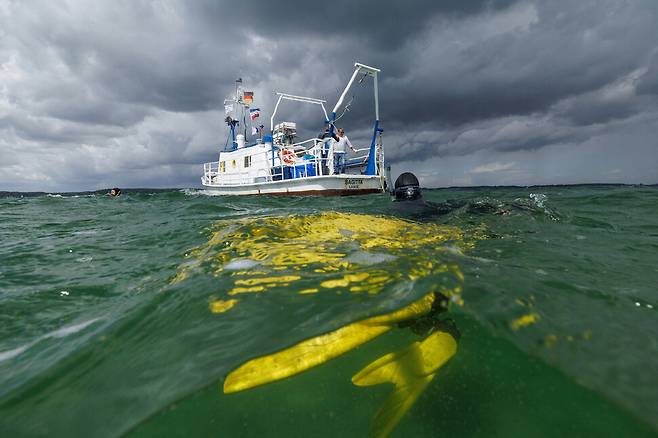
(130, 93)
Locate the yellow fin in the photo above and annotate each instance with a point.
(410, 370)
(316, 351)
(397, 405)
(301, 357)
(417, 360)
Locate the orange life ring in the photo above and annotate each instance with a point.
(288, 156)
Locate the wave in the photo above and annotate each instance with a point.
(57, 334)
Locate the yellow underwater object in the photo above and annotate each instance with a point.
(221, 306)
(340, 254)
(316, 351)
(410, 370)
(336, 244)
(524, 321)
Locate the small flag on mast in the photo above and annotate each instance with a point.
(248, 97)
(254, 113)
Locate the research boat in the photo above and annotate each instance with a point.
(278, 164)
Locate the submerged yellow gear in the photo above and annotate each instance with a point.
(410, 370)
(316, 351)
(334, 248)
(337, 253)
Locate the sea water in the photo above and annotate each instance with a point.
(127, 315)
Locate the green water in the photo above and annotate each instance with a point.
(107, 328)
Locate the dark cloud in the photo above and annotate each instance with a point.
(602, 106)
(531, 66)
(384, 25)
(648, 82)
(137, 86)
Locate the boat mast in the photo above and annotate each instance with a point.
(230, 121)
(244, 122)
(235, 122)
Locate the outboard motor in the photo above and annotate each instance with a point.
(407, 187)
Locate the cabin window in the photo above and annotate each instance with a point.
(247, 161)
(233, 164)
(222, 166)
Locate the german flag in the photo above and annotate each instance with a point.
(248, 97)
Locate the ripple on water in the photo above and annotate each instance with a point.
(57, 334)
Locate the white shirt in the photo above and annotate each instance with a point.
(339, 146)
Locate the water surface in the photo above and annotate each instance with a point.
(125, 315)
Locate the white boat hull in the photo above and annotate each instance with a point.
(328, 185)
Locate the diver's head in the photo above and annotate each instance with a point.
(115, 192)
(407, 187)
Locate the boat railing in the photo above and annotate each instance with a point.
(317, 141)
(356, 161)
(314, 140)
(313, 165)
(309, 164)
(210, 172)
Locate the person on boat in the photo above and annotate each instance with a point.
(327, 134)
(324, 151)
(339, 150)
(115, 192)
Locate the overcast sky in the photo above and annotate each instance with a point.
(472, 92)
